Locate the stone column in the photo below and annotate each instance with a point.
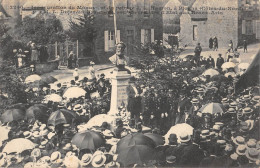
(120, 82)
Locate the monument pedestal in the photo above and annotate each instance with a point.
(120, 82)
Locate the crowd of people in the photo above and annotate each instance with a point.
(225, 135)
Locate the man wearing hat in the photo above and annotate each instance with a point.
(192, 155)
(185, 141)
(195, 106)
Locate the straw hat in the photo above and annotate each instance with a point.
(234, 156)
(98, 159)
(77, 107)
(36, 134)
(92, 63)
(246, 97)
(224, 100)
(239, 140)
(184, 137)
(200, 90)
(42, 127)
(27, 134)
(222, 143)
(233, 105)
(171, 159)
(247, 110)
(67, 147)
(55, 156)
(216, 128)
(112, 164)
(43, 144)
(194, 101)
(256, 98)
(108, 133)
(219, 123)
(241, 150)
(252, 154)
(231, 111)
(44, 132)
(50, 135)
(205, 133)
(251, 144)
(86, 159)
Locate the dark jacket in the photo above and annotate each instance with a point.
(220, 61)
(192, 156)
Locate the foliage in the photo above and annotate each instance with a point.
(41, 30)
(7, 43)
(82, 29)
(12, 89)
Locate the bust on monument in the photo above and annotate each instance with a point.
(119, 59)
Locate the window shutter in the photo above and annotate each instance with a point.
(243, 27)
(257, 29)
(142, 36)
(118, 35)
(152, 35)
(254, 26)
(106, 40)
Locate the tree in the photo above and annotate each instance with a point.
(41, 30)
(82, 29)
(7, 43)
(12, 89)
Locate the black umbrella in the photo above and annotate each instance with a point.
(12, 115)
(135, 139)
(48, 79)
(136, 154)
(37, 112)
(62, 116)
(88, 140)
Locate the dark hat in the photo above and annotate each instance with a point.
(172, 138)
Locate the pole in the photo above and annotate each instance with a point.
(115, 27)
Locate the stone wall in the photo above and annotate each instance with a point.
(224, 26)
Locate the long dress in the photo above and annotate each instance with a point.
(34, 56)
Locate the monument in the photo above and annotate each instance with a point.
(120, 80)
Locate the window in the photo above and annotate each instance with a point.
(146, 8)
(195, 32)
(147, 36)
(248, 2)
(110, 41)
(249, 27)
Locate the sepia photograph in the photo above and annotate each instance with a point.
(129, 83)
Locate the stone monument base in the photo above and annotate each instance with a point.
(119, 97)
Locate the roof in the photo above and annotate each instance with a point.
(198, 15)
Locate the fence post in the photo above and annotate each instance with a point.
(56, 49)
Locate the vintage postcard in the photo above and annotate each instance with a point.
(129, 83)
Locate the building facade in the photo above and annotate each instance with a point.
(227, 20)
